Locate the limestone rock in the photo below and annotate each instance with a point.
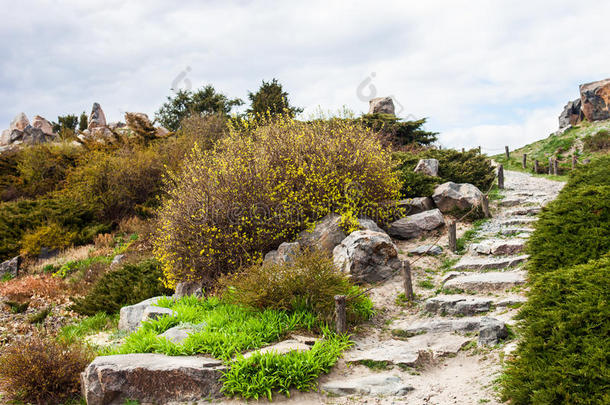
(571, 114)
(130, 316)
(485, 263)
(410, 328)
(416, 205)
(20, 122)
(428, 167)
(152, 313)
(325, 236)
(151, 378)
(42, 124)
(488, 281)
(381, 105)
(415, 225)
(457, 305)
(96, 118)
(452, 197)
(185, 288)
(177, 334)
(284, 254)
(368, 256)
(491, 331)
(374, 384)
(595, 98)
(10, 267)
(432, 250)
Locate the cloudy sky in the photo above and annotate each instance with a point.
(485, 73)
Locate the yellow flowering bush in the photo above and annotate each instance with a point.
(261, 185)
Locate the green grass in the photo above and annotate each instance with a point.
(427, 284)
(376, 365)
(88, 326)
(222, 330)
(470, 236)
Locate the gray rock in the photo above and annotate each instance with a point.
(511, 231)
(506, 302)
(457, 305)
(491, 331)
(285, 253)
(185, 288)
(97, 118)
(500, 247)
(368, 256)
(130, 316)
(571, 114)
(374, 384)
(452, 197)
(325, 236)
(511, 202)
(489, 281)
(396, 352)
(410, 328)
(44, 125)
(432, 250)
(283, 347)
(20, 122)
(152, 313)
(427, 346)
(488, 263)
(524, 211)
(118, 259)
(369, 224)
(416, 205)
(428, 167)
(523, 220)
(177, 334)
(10, 267)
(381, 105)
(595, 99)
(415, 225)
(151, 378)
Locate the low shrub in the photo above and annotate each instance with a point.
(127, 285)
(40, 370)
(260, 375)
(563, 356)
(263, 185)
(310, 282)
(26, 287)
(597, 142)
(51, 236)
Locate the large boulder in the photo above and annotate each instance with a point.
(151, 378)
(284, 254)
(416, 205)
(325, 236)
(368, 256)
(19, 122)
(571, 114)
(428, 167)
(96, 118)
(595, 98)
(381, 105)
(455, 198)
(185, 288)
(44, 125)
(10, 267)
(415, 225)
(131, 316)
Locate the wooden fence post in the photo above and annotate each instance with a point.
(407, 283)
(550, 165)
(501, 177)
(525, 160)
(463, 150)
(340, 314)
(507, 152)
(479, 150)
(556, 167)
(536, 166)
(573, 162)
(485, 207)
(453, 236)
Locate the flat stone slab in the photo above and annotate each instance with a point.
(506, 302)
(516, 231)
(151, 378)
(524, 211)
(177, 334)
(457, 305)
(283, 347)
(486, 263)
(374, 384)
(524, 220)
(432, 250)
(131, 315)
(489, 281)
(499, 247)
(511, 202)
(391, 351)
(410, 328)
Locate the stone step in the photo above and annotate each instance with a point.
(490, 329)
(499, 247)
(511, 202)
(515, 231)
(488, 281)
(486, 263)
(151, 378)
(524, 211)
(457, 305)
(518, 220)
(382, 384)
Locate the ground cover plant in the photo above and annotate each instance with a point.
(563, 356)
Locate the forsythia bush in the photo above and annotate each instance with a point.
(261, 185)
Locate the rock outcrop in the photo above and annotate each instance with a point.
(367, 255)
(416, 205)
(456, 198)
(571, 114)
(428, 167)
(10, 267)
(595, 98)
(415, 225)
(43, 124)
(97, 118)
(381, 105)
(21, 131)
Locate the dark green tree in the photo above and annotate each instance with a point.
(186, 102)
(83, 122)
(271, 99)
(65, 123)
(400, 132)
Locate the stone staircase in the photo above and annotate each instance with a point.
(472, 306)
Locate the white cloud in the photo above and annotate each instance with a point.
(479, 70)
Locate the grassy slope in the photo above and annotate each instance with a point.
(558, 146)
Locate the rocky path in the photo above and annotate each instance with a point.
(447, 348)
